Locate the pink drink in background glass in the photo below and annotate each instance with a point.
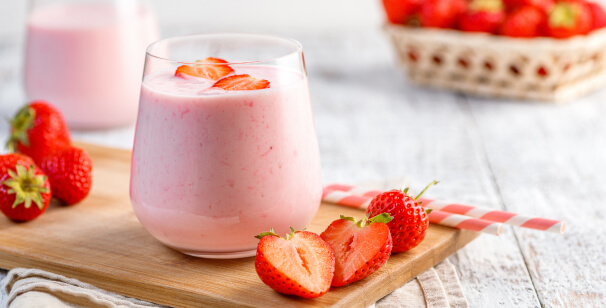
(211, 168)
(86, 57)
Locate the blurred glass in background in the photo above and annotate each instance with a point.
(86, 57)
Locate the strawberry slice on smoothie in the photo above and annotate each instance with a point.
(209, 68)
(241, 82)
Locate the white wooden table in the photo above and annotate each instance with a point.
(534, 158)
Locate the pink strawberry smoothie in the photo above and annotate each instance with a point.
(211, 168)
(87, 59)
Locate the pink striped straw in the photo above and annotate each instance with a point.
(508, 218)
(346, 198)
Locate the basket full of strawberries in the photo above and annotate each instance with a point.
(550, 50)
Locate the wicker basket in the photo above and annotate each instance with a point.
(536, 69)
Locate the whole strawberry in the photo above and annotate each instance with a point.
(483, 16)
(361, 247)
(543, 5)
(410, 220)
(25, 191)
(10, 161)
(442, 13)
(525, 22)
(598, 16)
(70, 173)
(400, 11)
(567, 19)
(301, 264)
(37, 130)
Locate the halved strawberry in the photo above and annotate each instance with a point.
(209, 68)
(361, 247)
(241, 82)
(301, 264)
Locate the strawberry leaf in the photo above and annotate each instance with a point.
(20, 125)
(384, 218)
(428, 211)
(264, 234)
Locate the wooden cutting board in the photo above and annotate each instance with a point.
(101, 242)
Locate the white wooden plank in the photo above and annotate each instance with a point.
(549, 161)
(374, 125)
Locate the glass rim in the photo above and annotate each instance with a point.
(298, 46)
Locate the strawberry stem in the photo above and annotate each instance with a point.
(429, 185)
(291, 234)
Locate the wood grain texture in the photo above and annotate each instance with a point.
(101, 242)
(556, 168)
(372, 125)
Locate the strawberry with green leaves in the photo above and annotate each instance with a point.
(25, 191)
(69, 171)
(361, 246)
(567, 19)
(301, 264)
(483, 16)
(410, 219)
(37, 130)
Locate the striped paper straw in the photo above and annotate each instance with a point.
(346, 198)
(508, 218)
(465, 222)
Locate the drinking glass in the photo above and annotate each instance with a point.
(86, 58)
(211, 168)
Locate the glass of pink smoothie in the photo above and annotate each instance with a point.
(215, 165)
(86, 58)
